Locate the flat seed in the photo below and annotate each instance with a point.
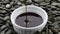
(55, 30)
(54, 3)
(6, 17)
(9, 31)
(19, 3)
(47, 0)
(43, 32)
(59, 0)
(3, 26)
(58, 32)
(56, 26)
(3, 11)
(38, 0)
(50, 32)
(8, 6)
(49, 22)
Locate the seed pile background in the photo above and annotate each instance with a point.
(52, 7)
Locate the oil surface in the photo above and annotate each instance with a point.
(33, 20)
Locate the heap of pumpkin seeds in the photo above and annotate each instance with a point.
(52, 7)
